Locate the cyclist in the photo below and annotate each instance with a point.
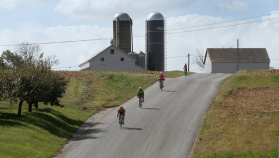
(161, 77)
(140, 94)
(185, 69)
(121, 111)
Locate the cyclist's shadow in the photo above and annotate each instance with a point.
(129, 128)
(151, 108)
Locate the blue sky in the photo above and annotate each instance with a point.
(41, 21)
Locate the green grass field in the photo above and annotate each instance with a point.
(43, 132)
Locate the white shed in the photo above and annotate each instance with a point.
(111, 59)
(230, 60)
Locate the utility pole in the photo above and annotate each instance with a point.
(237, 56)
(188, 62)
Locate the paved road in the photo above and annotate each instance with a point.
(167, 126)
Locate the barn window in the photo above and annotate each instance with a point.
(102, 59)
(111, 51)
(121, 59)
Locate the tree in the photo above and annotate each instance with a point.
(1, 83)
(199, 58)
(2, 65)
(32, 80)
(56, 89)
(8, 85)
(9, 60)
(33, 53)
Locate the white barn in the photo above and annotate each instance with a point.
(230, 60)
(111, 59)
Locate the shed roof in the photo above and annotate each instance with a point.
(230, 55)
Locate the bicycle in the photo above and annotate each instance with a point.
(121, 122)
(185, 72)
(140, 101)
(161, 84)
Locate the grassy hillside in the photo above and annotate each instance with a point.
(243, 117)
(44, 131)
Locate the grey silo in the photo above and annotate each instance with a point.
(134, 55)
(122, 31)
(141, 59)
(155, 42)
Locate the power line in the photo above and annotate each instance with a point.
(223, 22)
(223, 26)
(142, 34)
(64, 41)
(168, 31)
(64, 67)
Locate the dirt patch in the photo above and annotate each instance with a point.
(253, 100)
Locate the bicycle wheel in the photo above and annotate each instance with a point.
(121, 121)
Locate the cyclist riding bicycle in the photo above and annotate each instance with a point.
(185, 69)
(161, 77)
(121, 111)
(140, 94)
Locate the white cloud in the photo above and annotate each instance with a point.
(14, 4)
(255, 35)
(69, 54)
(232, 5)
(89, 9)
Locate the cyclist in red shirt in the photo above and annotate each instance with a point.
(185, 69)
(121, 111)
(161, 77)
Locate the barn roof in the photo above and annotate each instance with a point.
(230, 55)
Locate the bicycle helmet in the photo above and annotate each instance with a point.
(121, 107)
(139, 88)
(161, 73)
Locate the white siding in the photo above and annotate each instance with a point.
(112, 62)
(208, 64)
(84, 66)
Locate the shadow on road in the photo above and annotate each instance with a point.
(170, 91)
(86, 132)
(129, 128)
(151, 108)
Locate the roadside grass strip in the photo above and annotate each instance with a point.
(243, 117)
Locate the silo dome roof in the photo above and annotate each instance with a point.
(121, 16)
(131, 53)
(155, 16)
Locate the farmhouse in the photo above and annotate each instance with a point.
(230, 60)
(111, 58)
